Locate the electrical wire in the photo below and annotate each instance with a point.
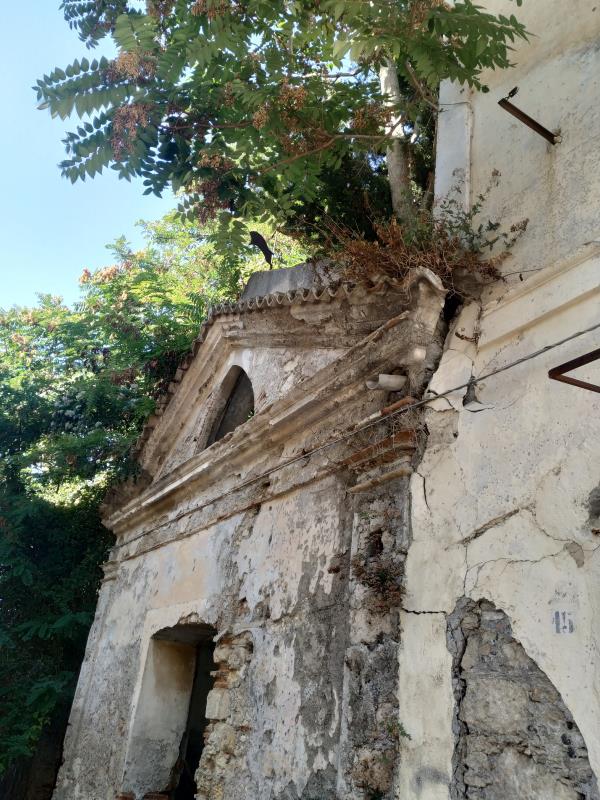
(473, 381)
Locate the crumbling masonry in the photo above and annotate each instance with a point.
(315, 594)
(290, 552)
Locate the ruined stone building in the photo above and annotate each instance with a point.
(318, 594)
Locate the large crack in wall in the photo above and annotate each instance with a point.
(515, 737)
(371, 742)
(381, 538)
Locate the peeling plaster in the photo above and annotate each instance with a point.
(266, 563)
(501, 511)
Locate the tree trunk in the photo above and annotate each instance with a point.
(396, 156)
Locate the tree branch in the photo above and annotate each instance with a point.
(329, 76)
(334, 137)
(416, 84)
(298, 156)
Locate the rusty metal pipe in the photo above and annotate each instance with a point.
(553, 138)
(383, 412)
(557, 373)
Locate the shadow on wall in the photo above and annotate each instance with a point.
(237, 408)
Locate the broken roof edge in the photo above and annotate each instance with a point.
(324, 289)
(308, 275)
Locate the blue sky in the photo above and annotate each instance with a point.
(50, 229)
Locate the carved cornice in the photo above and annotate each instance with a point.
(402, 340)
(339, 315)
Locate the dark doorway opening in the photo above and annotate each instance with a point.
(238, 408)
(192, 743)
(167, 729)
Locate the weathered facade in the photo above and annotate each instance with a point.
(314, 596)
(250, 542)
(504, 502)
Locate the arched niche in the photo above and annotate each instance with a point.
(234, 405)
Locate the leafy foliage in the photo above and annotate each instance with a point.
(249, 107)
(76, 386)
(50, 555)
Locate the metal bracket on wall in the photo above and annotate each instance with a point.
(558, 373)
(550, 136)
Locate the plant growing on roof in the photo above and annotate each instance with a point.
(462, 247)
(250, 106)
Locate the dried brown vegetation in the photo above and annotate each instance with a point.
(451, 242)
(127, 122)
(382, 575)
(396, 253)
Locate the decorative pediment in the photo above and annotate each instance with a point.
(269, 353)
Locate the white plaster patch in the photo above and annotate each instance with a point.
(289, 538)
(425, 708)
(516, 539)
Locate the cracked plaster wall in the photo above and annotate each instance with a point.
(258, 578)
(558, 79)
(504, 510)
(504, 501)
(304, 699)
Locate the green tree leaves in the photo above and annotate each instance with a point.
(76, 386)
(247, 108)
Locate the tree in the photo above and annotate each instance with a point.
(247, 107)
(76, 385)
